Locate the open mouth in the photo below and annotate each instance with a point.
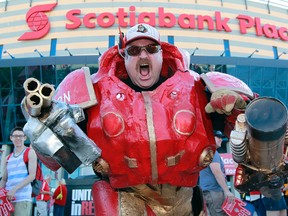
(144, 71)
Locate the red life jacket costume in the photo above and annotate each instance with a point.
(151, 137)
(158, 137)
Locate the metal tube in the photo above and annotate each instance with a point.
(46, 91)
(34, 103)
(266, 126)
(31, 85)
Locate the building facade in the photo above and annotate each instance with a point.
(81, 27)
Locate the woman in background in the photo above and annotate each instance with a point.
(60, 197)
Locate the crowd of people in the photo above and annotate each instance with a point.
(17, 178)
(212, 182)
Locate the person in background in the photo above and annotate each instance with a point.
(17, 177)
(44, 197)
(275, 207)
(60, 198)
(278, 207)
(197, 68)
(213, 182)
(211, 67)
(255, 198)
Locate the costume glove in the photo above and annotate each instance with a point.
(223, 101)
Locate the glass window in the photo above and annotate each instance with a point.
(48, 74)
(231, 69)
(93, 68)
(5, 86)
(61, 72)
(268, 82)
(18, 78)
(34, 71)
(255, 81)
(242, 72)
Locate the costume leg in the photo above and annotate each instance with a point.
(108, 201)
(198, 203)
(165, 200)
(105, 199)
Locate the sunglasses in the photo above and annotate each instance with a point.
(18, 136)
(136, 50)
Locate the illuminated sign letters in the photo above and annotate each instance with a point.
(39, 24)
(168, 20)
(270, 31)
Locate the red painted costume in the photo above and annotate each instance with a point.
(154, 141)
(158, 135)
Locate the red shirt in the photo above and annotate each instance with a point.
(62, 201)
(45, 187)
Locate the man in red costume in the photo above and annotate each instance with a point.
(150, 118)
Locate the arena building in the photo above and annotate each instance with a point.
(55, 28)
(48, 39)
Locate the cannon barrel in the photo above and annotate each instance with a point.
(31, 85)
(46, 91)
(38, 96)
(266, 119)
(34, 103)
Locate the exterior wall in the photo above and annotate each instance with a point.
(84, 41)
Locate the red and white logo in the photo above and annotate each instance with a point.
(38, 22)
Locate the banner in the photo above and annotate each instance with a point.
(79, 197)
(229, 164)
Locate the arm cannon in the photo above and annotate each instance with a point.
(257, 145)
(53, 131)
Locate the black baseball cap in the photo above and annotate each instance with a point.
(218, 133)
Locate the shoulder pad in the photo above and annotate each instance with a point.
(194, 74)
(217, 80)
(77, 88)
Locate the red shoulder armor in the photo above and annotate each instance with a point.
(216, 80)
(77, 88)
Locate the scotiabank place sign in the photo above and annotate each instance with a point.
(39, 23)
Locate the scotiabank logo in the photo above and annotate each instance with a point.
(38, 22)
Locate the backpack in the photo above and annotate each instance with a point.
(38, 181)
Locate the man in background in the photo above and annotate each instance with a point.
(213, 182)
(42, 200)
(17, 177)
